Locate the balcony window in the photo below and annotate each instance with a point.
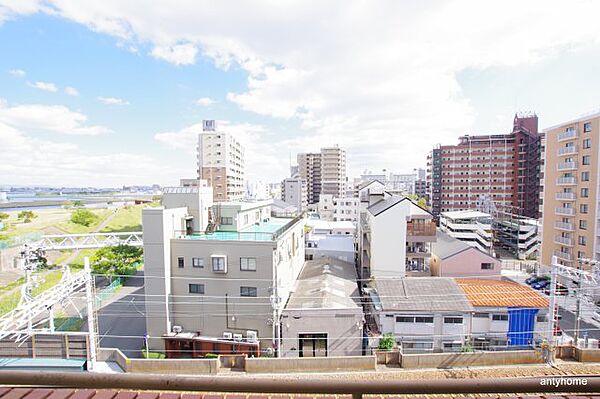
(586, 160)
(587, 143)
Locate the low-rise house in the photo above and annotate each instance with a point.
(451, 257)
(319, 226)
(323, 316)
(507, 314)
(329, 245)
(425, 314)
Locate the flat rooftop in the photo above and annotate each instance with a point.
(466, 215)
(263, 231)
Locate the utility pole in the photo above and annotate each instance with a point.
(552, 303)
(89, 296)
(578, 303)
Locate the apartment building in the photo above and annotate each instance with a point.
(518, 235)
(338, 209)
(500, 170)
(395, 239)
(228, 283)
(570, 219)
(324, 172)
(471, 227)
(294, 191)
(221, 163)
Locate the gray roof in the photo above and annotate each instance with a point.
(368, 183)
(277, 203)
(384, 204)
(325, 283)
(422, 294)
(447, 246)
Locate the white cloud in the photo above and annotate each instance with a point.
(205, 101)
(378, 78)
(71, 91)
(17, 72)
(45, 86)
(52, 118)
(179, 54)
(113, 101)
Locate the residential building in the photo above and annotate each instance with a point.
(451, 257)
(506, 313)
(323, 316)
(280, 208)
(499, 169)
(520, 236)
(403, 184)
(294, 191)
(333, 246)
(571, 198)
(228, 280)
(425, 314)
(396, 235)
(318, 226)
(421, 188)
(324, 172)
(221, 163)
(338, 209)
(472, 227)
(274, 190)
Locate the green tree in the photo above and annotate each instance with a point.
(3, 216)
(387, 342)
(84, 217)
(26, 216)
(120, 260)
(422, 202)
(77, 203)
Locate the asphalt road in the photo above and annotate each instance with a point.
(567, 325)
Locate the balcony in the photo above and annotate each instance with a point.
(564, 211)
(563, 241)
(417, 252)
(566, 166)
(570, 150)
(566, 181)
(564, 226)
(414, 228)
(568, 135)
(566, 196)
(563, 256)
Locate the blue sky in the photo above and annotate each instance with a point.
(385, 81)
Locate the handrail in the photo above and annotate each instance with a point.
(305, 385)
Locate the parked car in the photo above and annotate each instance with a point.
(540, 284)
(560, 290)
(536, 279)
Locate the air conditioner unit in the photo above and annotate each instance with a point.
(237, 337)
(251, 336)
(227, 335)
(177, 329)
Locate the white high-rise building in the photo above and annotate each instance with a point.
(221, 163)
(294, 192)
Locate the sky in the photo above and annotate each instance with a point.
(110, 93)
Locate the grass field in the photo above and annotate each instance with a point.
(9, 302)
(73, 228)
(128, 218)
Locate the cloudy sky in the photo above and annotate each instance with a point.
(113, 92)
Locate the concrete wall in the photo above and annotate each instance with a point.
(447, 360)
(388, 241)
(587, 355)
(311, 364)
(159, 366)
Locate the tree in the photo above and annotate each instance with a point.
(121, 260)
(77, 203)
(422, 202)
(4, 216)
(387, 342)
(26, 216)
(84, 217)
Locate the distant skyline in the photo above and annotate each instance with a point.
(113, 93)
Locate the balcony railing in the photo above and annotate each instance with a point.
(420, 229)
(568, 135)
(566, 196)
(564, 226)
(563, 240)
(563, 255)
(566, 166)
(565, 181)
(567, 150)
(564, 211)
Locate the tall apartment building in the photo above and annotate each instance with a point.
(294, 192)
(221, 163)
(570, 219)
(324, 172)
(500, 170)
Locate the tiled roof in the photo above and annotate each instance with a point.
(494, 293)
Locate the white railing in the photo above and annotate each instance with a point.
(94, 240)
(564, 226)
(566, 166)
(563, 240)
(563, 255)
(566, 181)
(564, 211)
(567, 135)
(572, 149)
(566, 196)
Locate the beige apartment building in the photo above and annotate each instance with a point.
(221, 163)
(570, 201)
(324, 172)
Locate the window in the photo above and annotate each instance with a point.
(453, 320)
(500, 317)
(226, 220)
(582, 240)
(585, 176)
(487, 266)
(218, 264)
(248, 264)
(585, 192)
(587, 143)
(197, 262)
(423, 319)
(583, 208)
(196, 288)
(587, 127)
(405, 319)
(541, 318)
(248, 291)
(180, 262)
(583, 224)
(482, 315)
(586, 160)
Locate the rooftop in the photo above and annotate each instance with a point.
(466, 214)
(385, 204)
(325, 283)
(494, 293)
(447, 246)
(421, 294)
(319, 224)
(333, 242)
(263, 231)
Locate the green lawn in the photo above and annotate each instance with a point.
(9, 302)
(152, 355)
(50, 279)
(73, 228)
(128, 218)
(77, 263)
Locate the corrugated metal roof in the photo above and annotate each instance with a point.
(494, 293)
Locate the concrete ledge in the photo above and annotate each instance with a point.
(159, 366)
(388, 357)
(466, 359)
(587, 355)
(310, 364)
